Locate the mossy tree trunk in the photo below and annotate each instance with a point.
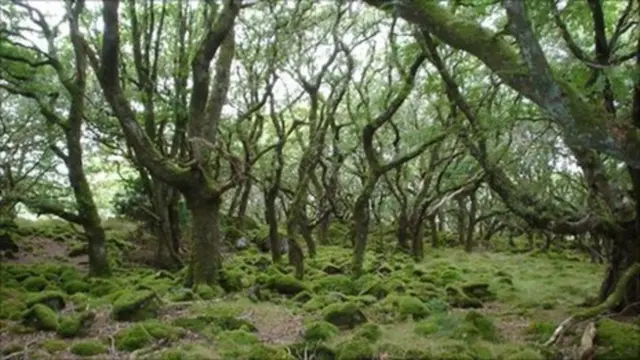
(471, 222)
(194, 179)
(86, 211)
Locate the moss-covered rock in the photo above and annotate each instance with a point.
(53, 346)
(35, 283)
(206, 292)
(457, 298)
(285, 284)
(338, 283)
(135, 306)
(74, 325)
(78, 249)
(617, 340)
(476, 325)
(355, 349)
(11, 309)
(261, 351)
(303, 297)
(88, 348)
(410, 306)
(320, 331)
(370, 332)
(76, 286)
(182, 294)
(344, 315)
(143, 333)
(53, 299)
(40, 317)
(231, 280)
(479, 291)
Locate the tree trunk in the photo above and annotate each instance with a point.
(402, 229)
(271, 217)
(625, 252)
(471, 223)
(244, 203)
(361, 226)
(206, 261)
(166, 254)
(461, 217)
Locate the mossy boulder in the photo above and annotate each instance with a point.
(337, 283)
(88, 348)
(35, 283)
(370, 332)
(617, 340)
(76, 286)
(320, 331)
(74, 325)
(40, 317)
(479, 291)
(262, 351)
(53, 346)
(142, 334)
(303, 297)
(206, 292)
(231, 280)
(285, 284)
(371, 285)
(11, 309)
(332, 269)
(344, 315)
(53, 299)
(410, 306)
(355, 349)
(459, 299)
(135, 306)
(476, 325)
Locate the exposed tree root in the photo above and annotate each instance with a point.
(586, 350)
(611, 302)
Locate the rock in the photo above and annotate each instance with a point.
(332, 269)
(242, 243)
(344, 315)
(479, 291)
(286, 284)
(135, 306)
(7, 245)
(40, 317)
(53, 299)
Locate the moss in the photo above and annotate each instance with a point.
(285, 284)
(231, 281)
(35, 283)
(11, 309)
(53, 345)
(540, 331)
(53, 299)
(529, 354)
(409, 306)
(73, 325)
(132, 338)
(206, 292)
(78, 249)
(76, 286)
(189, 352)
(182, 294)
(338, 283)
(355, 349)
(40, 317)
(88, 348)
(369, 332)
(238, 337)
(261, 352)
(426, 328)
(303, 297)
(320, 331)
(437, 306)
(80, 300)
(135, 306)
(457, 298)
(345, 315)
(617, 340)
(102, 287)
(479, 291)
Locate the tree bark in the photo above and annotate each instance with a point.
(206, 261)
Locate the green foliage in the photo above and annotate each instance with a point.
(54, 299)
(76, 286)
(88, 348)
(286, 284)
(141, 334)
(206, 292)
(355, 349)
(73, 325)
(369, 332)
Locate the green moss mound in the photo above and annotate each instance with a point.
(345, 315)
(285, 284)
(320, 331)
(88, 348)
(356, 349)
(75, 324)
(40, 317)
(12, 309)
(35, 283)
(53, 299)
(135, 306)
(261, 351)
(53, 346)
(206, 292)
(142, 334)
(370, 332)
(617, 340)
(76, 286)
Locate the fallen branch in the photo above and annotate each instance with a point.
(586, 351)
(611, 302)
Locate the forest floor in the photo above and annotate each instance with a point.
(453, 305)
